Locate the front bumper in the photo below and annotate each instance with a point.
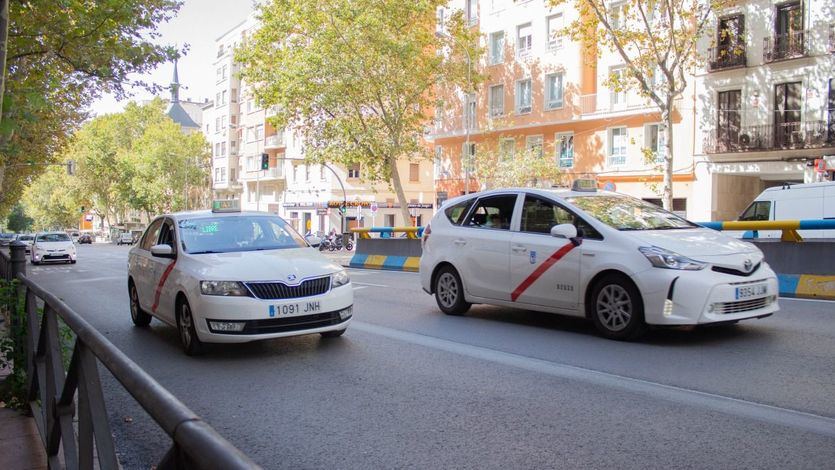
(673, 297)
(255, 314)
(54, 257)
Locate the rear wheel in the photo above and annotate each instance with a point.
(617, 309)
(449, 292)
(139, 317)
(188, 334)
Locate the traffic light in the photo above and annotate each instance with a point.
(343, 209)
(265, 161)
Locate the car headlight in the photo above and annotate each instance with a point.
(661, 258)
(340, 278)
(227, 288)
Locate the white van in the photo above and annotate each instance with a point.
(813, 201)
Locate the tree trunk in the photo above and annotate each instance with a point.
(398, 190)
(667, 119)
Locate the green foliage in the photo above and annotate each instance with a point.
(12, 347)
(528, 168)
(51, 200)
(355, 78)
(61, 57)
(18, 221)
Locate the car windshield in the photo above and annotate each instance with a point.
(25, 237)
(628, 213)
(53, 237)
(237, 233)
(7, 236)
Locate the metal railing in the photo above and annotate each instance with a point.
(388, 232)
(274, 141)
(58, 397)
(789, 135)
(786, 46)
(726, 57)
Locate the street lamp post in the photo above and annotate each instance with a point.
(467, 116)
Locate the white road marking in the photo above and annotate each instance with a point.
(368, 284)
(95, 279)
(728, 405)
(360, 287)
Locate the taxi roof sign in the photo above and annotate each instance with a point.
(584, 185)
(226, 205)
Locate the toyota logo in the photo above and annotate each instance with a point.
(748, 264)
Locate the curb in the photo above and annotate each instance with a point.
(807, 286)
(388, 263)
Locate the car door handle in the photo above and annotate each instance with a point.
(519, 249)
(460, 242)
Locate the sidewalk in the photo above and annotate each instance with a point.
(20, 444)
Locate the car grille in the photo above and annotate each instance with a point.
(736, 272)
(287, 324)
(280, 290)
(741, 306)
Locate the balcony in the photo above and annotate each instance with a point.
(607, 103)
(274, 173)
(726, 57)
(786, 136)
(272, 142)
(786, 46)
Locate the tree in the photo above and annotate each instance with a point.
(60, 56)
(528, 168)
(355, 78)
(18, 221)
(52, 201)
(656, 39)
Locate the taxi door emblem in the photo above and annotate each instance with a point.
(533, 257)
(291, 277)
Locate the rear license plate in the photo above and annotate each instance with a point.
(301, 308)
(746, 292)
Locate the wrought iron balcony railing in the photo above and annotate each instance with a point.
(786, 46)
(785, 136)
(726, 57)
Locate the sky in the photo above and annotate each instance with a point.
(198, 24)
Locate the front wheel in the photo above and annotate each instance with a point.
(349, 246)
(617, 309)
(188, 334)
(449, 292)
(137, 315)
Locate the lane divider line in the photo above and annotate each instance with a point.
(800, 420)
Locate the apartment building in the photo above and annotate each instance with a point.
(765, 101)
(306, 194)
(545, 93)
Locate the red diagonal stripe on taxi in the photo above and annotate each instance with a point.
(162, 283)
(540, 270)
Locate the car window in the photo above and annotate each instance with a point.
(53, 237)
(166, 234)
(493, 212)
(151, 235)
(457, 212)
(239, 233)
(540, 215)
(758, 210)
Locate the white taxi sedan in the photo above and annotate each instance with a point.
(232, 277)
(616, 260)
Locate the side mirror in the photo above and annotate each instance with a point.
(162, 251)
(314, 241)
(568, 231)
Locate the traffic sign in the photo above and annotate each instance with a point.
(374, 207)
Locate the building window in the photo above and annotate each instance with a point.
(223, 97)
(497, 47)
(234, 95)
(232, 175)
(472, 12)
(217, 175)
(554, 90)
(467, 156)
(225, 72)
(787, 108)
(617, 146)
(496, 100)
(617, 94)
(524, 40)
(831, 112)
(616, 15)
(414, 172)
(554, 24)
(217, 149)
(533, 143)
(223, 122)
(523, 96)
(217, 124)
(469, 111)
(223, 174)
(729, 117)
(507, 147)
(354, 171)
(219, 74)
(389, 220)
(259, 132)
(730, 43)
(565, 149)
(223, 148)
(654, 139)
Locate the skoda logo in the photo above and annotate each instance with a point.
(292, 277)
(748, 264)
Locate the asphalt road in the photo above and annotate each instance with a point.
(408, 387)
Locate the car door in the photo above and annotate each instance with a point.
(544, 270)
(164, 290)
(142, 270)
(485, 246)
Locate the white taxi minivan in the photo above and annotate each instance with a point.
(225, 276)
(619, 261)
(53, 247)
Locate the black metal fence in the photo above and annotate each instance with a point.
(57, 396)
(784, 136)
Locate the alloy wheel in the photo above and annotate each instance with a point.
(447, 290)
(614, 307)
